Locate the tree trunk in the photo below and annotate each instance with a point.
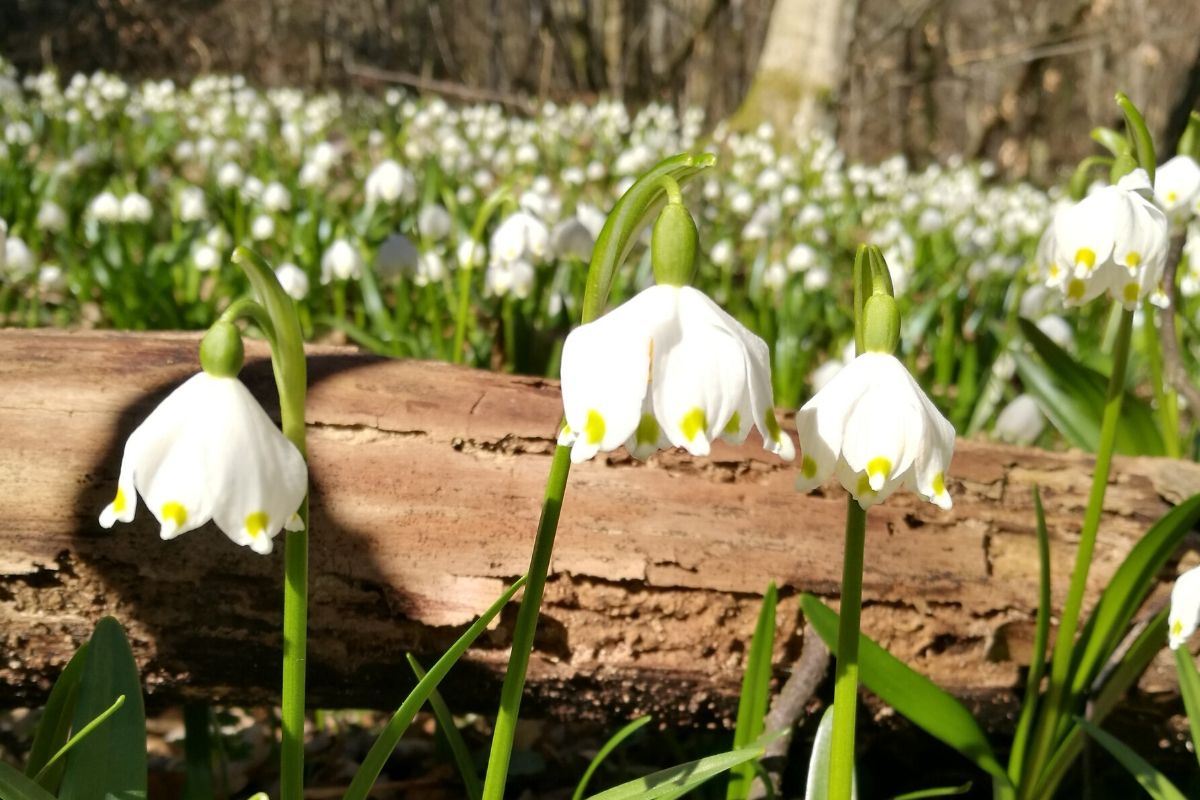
(427, 480)
(801, 66)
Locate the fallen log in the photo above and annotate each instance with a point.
(427, 482)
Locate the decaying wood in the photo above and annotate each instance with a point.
(427, 481)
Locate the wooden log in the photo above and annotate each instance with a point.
(427, 482)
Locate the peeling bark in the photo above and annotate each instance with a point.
(427, 480)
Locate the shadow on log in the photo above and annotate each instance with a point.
(427, 480)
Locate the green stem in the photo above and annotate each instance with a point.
(290, 368)
(510, 333)
(1057, 700)
(1164, 398)
(526, 626)
(845, 681)
(460, 314)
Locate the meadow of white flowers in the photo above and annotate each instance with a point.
(123, 202)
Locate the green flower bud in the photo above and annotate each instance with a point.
(881, 324)
(221, 351)
(673, 246)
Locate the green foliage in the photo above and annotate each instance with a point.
(756, 693)
(454, 740)
(911, 693)
(612, 744)
(55, 726)
(677, 781)
(1150, 779)
(1072, 396)
(110, 765)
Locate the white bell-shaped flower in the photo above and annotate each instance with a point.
(209, 451)
(521, 237)
(1185, 608)
(1115, 240)
(668, 367)
(1177, 185)
(873, 427)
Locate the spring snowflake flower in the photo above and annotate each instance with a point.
(1115, 240)
(520, 237)
(668, 367)
(209, 451)
(1185, 608)
(388, 183)
(342, 261)
(1177, 185)
(874, 428)
(293, 280)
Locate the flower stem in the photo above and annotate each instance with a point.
(1057, 701)
(523, 632)
(845, 681)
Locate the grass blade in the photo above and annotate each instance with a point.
(1037, 662)
(458, 747)
(911, 693)
(378, 755)
(15, 786)
(612, 744)
(1189, 687)
(756, 692)
(817, 782)
(1150, 779)
(676, 781)
(55, 726)
(939, 791)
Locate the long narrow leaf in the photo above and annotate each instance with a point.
(1072, 397)
(378, 755)
(756, 691)
(1145, 646)
(1037, 662)
(1150, 779)
(55, 726)
(817, 782)
(612, 744)
(1189, 687)
(676, 781)
(1127, 588)
(940, 791)
(112, 763)
(910, 693)
(458, 748)
(15, 786)
(80, 736)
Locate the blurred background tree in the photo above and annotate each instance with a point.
(1012, 80)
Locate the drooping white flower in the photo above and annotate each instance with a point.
(192, 205)
(18, 261)
(873, 427)
(51, 217)
(262, 228)
(293, 280)
(342, 261)
(51, 278)
(135, 208)
(389, 182)
(1177, 185)
(105, 208)
(668, 367)
(276, 197)
(434, 222)
(1115, 240)
(209, 451)
(1185, 608)
(520, 237)
(1020, 422)
(205, 257)
(229, 175)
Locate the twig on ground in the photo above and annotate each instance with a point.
(788, 707)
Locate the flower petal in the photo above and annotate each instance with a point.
(1185, 608)
(605, 370)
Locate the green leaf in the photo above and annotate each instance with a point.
(458, 748)
(1111, 140)
(817, 782)
(1037, 663)
(631, 213)
(1126, 590)
(612, 744)
(372, 765)
(80, 736)
(55, 726)
(1072, 397)
(1145, 646)
(111, 764)
(756, 692)
(676, 781)
(910, 693)
(15, 786)
(1189, 687)
(1150, 779)
(939, 791)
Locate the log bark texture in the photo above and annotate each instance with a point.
(427, 480)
